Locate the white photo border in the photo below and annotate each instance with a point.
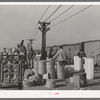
(49, 93)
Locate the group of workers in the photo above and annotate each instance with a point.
(26, 55)
(61, 55)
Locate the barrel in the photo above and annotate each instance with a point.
(50, 83)
(42, 67)
(60, 71)
(36, 67)
(50, 65)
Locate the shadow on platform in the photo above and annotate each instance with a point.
(97, 77)
(61, 85)
(94, 84)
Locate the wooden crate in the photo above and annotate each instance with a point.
(9, 75)
(79, 80)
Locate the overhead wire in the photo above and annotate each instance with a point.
(44, 13)
(34, 30)
(71, 16)
(35, 16)
(62, 13)
(35, 26)
(38, 37)
(31, 17)
(40, 20)
(53, 13)
(36, 34)
(26, 17)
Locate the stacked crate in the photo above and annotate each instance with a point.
(10, 72)
(9, 75)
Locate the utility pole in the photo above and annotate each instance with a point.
(43, 28)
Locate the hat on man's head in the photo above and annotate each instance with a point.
(61, 47)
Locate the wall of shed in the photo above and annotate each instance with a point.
(71, 50)
(92, 50)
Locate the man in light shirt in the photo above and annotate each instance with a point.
(61, 56)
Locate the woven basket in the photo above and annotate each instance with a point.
(42, 67)
(50, 65)
(28, 83)
(60, 72)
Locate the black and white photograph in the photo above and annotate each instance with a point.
(50, 47)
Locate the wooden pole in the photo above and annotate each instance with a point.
(44, 30)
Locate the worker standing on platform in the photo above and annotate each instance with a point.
(5, 53)
(22, 57)
(61, 56)
(30, 56)
(22, 50)
(81, 54)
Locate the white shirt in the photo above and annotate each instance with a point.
(61, 55)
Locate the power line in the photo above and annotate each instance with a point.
(71, 16)
(39, 36)
(53, 13)
(36, 33)
(45, 12)
(33, 20)
(62, 13)
(40, 19)
(35, 26)
(34, 30)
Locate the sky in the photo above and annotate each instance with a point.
(18, 22)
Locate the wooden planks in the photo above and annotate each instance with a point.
(79, 80)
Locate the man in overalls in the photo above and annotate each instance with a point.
(30, 56)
